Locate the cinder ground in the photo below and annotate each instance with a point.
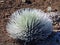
(7, 7)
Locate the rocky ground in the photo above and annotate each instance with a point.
(7, 7)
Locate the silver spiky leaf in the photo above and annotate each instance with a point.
(28, 24)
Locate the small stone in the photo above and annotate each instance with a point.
(28, 2)
(55, 9)
(23, 0)
(49, 9)
(1, 1)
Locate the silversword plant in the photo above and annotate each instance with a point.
(29, 24)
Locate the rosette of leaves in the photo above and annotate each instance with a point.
(29, 24)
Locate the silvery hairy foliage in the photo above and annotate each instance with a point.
(29, 24)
